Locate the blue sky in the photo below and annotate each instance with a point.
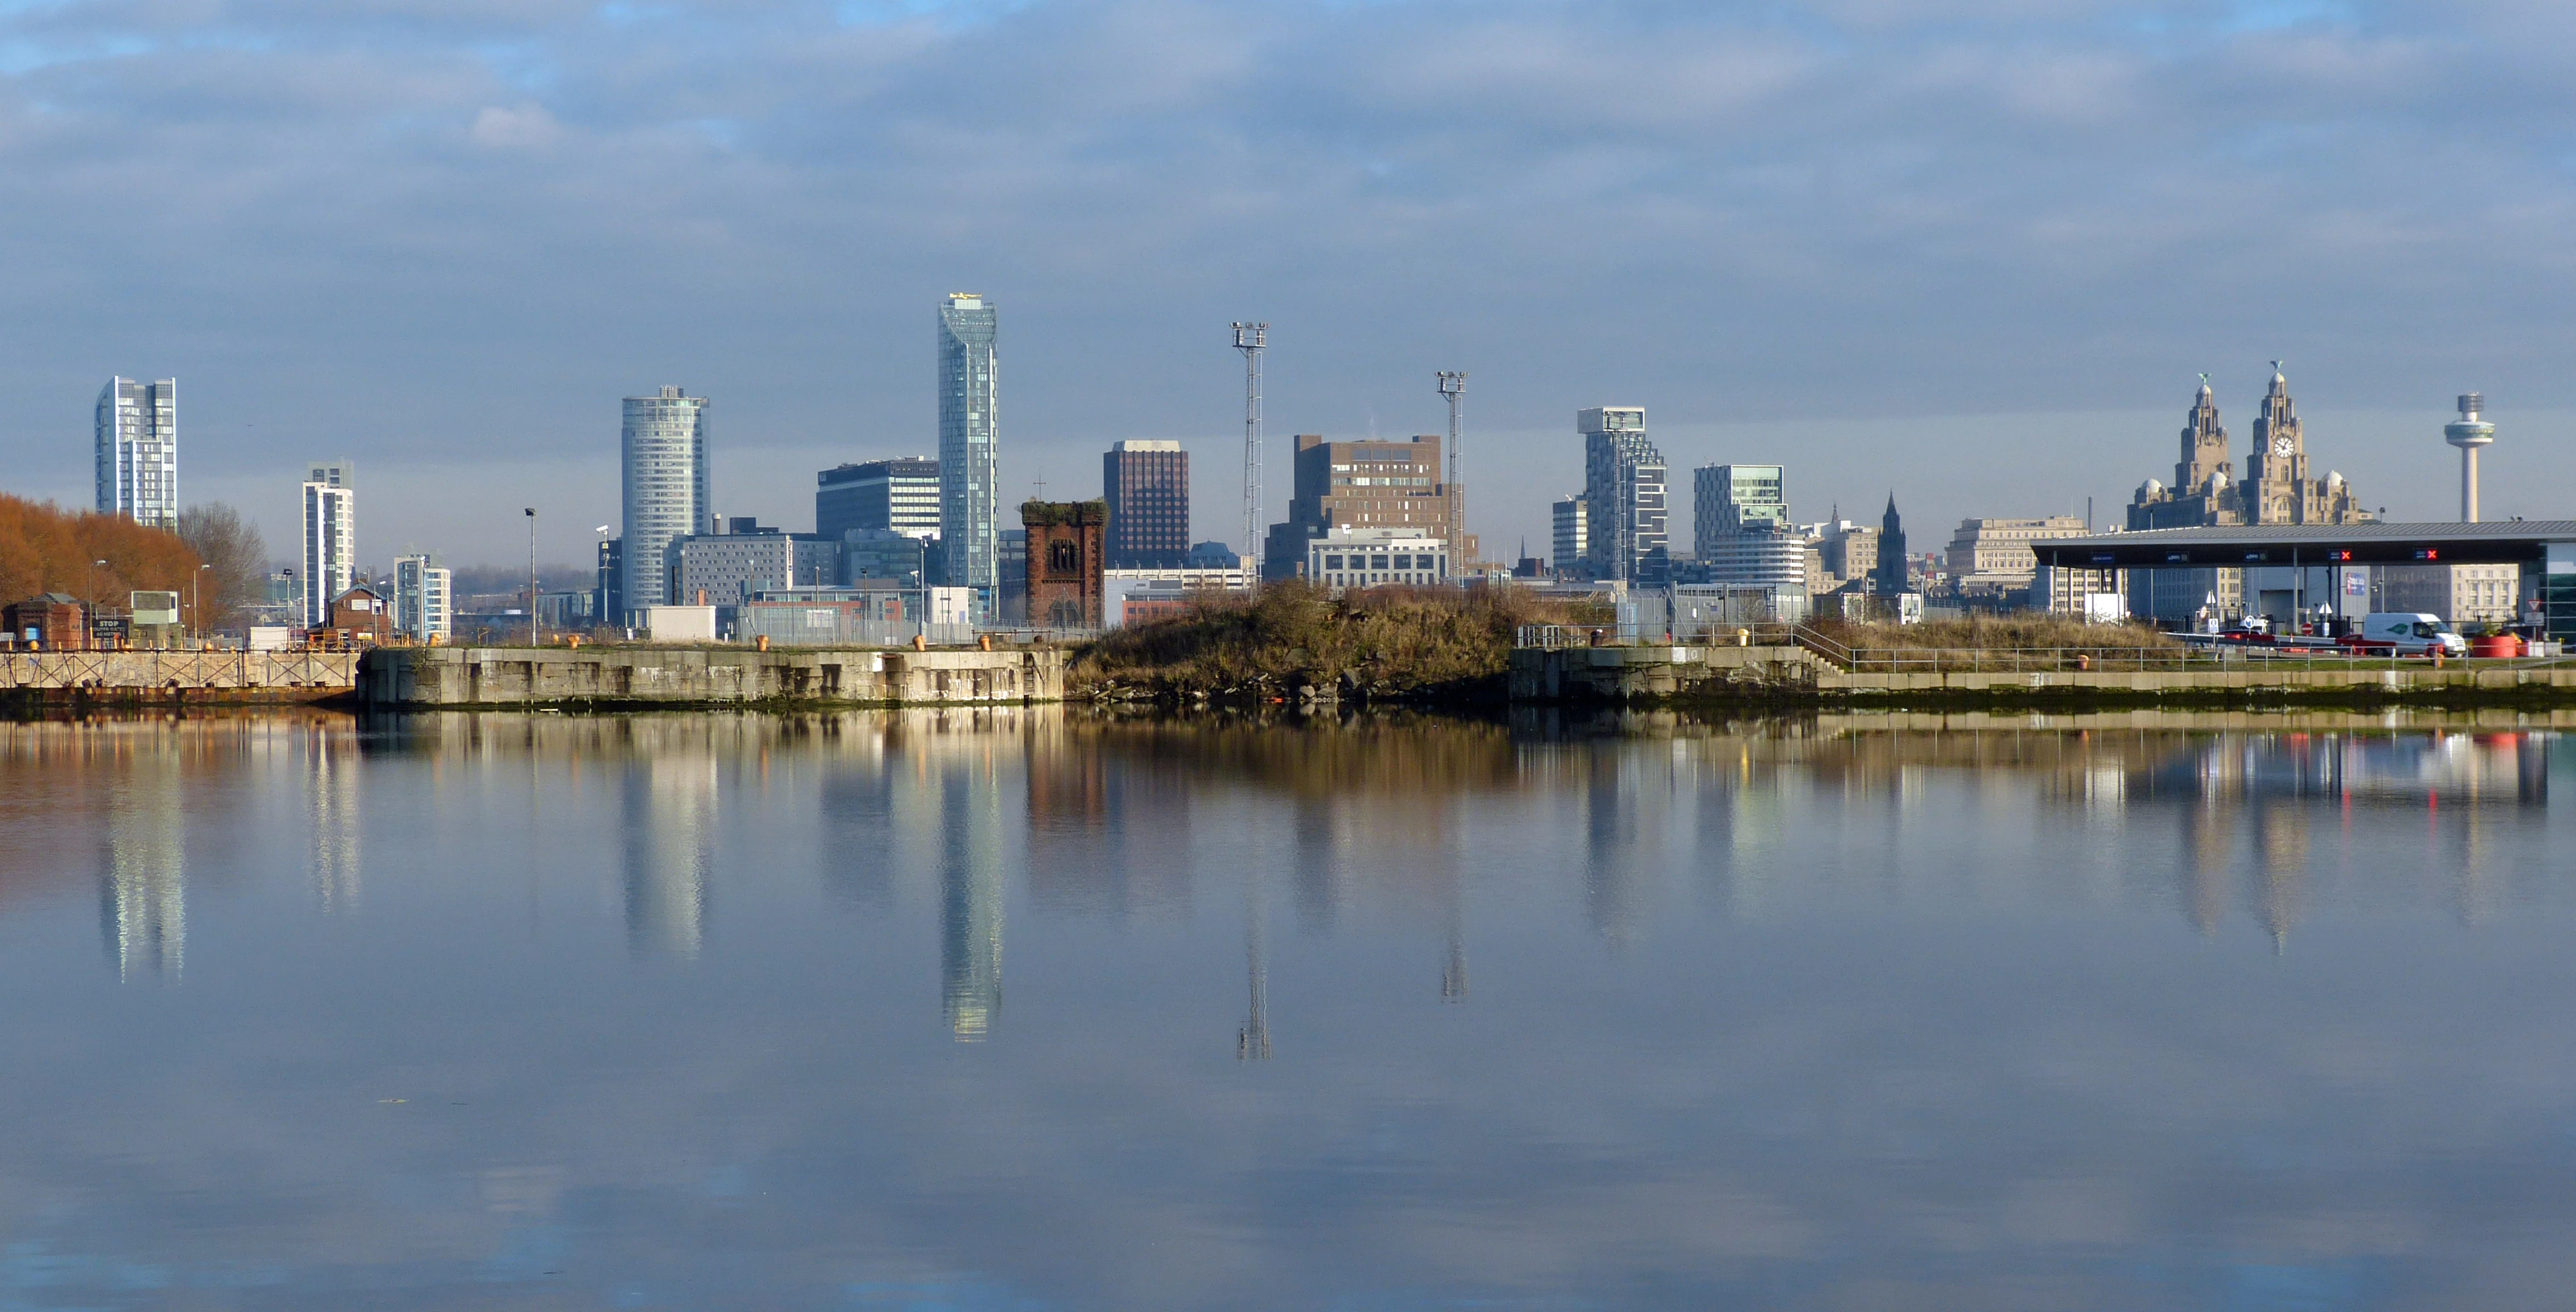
(1976, 251)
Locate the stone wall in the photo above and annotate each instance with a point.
(702, 676)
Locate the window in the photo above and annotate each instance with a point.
(1332, 562)
(1377, 562)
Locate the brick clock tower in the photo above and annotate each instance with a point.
(1066, 550)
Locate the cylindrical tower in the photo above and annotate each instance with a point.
(2469, 433)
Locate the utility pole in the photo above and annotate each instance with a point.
(1453, 389)
(535, 639)
(1252, 339)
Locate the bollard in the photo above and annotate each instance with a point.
(762, 642)
(1744, 637)
(2083, 661)
(921, 642)
(988, 642)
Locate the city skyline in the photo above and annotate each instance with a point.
(1989, 253)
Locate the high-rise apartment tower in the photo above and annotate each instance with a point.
(330, 538)
(663, 449)
(1147, 485)
(969, 463)
(1573, 539)
(1623, 486)
(138, 451)
(423, 599)
(1730, 499)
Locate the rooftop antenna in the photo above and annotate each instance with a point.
(1251, 339)
(1453, 389)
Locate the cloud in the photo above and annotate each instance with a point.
(477, 225)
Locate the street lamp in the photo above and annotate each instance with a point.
(199, 603)
(535, 637)
(91, 620)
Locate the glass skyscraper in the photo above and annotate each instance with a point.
(969, 509)
(138, 451)
(664, 451)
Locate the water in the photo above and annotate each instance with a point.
(1035, 1010)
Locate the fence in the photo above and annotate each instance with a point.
(830, 626)
(1981, 660)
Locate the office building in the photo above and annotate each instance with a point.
(969, 463)
(662, 448)
(1573, 541)
(724, 568)
(899, 495)
(1147, 485)
(330, 540)
(1623, 488)
(885, 554)
(1066, 541)
(423, 600)
(1731, 499)
(1770, 558)
(1991, 558)
(1352, 557)
(1375, 483)
(138, 451)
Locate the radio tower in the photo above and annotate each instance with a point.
(1251, 338)
(2469, 433)
(1453, 389)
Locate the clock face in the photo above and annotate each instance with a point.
(2281, 447)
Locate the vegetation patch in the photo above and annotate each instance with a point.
(1296, 640)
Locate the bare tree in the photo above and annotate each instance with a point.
(232, 546)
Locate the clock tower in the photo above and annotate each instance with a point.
(2276, 475)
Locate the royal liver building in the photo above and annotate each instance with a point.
(2276, 489)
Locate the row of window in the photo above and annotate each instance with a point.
(1382, 562)
(1365, 580)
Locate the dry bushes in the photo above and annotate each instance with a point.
(2018, 632)
(1295, 637)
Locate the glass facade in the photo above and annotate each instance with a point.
(1623, 490)
(330, 547)
(664, 452)
(969, 515)
(138, 451)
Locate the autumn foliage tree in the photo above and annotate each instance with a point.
(45, 548)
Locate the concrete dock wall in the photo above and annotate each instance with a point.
(177, 676)
(396, 677)
(1615, 674)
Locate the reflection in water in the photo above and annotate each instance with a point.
(669, 831)
(142, 894)
(970, 891)
(332, 797)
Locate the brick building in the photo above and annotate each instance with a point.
(358, 616)
(1148, 488)
(1066, 548)
(51, 620)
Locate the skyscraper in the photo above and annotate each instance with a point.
(1730, 499)
(138, 451)
(1372, 483)
(1147, 485)
(899, 495)
(330, 538)
(968, 462)
(1623, 487)
(664, 450)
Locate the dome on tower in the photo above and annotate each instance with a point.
(2150, 490)
(2218, 480)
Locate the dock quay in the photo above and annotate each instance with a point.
(57, 678)
(609, 677)
(1795, 673)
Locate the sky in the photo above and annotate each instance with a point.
(1974, 253)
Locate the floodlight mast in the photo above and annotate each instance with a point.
(1252, 339)
(1453, 389)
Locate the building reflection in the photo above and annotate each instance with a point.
(970, 891)
(332, 763)
(670, 803)
(143, 896)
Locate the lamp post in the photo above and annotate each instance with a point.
(197, 603)
(535, 637)
(90, 620)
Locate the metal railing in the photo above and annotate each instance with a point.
(2001, 660)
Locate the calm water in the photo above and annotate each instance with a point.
(1031, 1010)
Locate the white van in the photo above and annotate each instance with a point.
(2412, 633)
